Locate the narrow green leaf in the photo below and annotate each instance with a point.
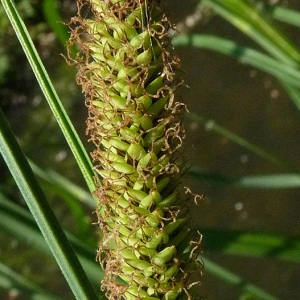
(52, 15)
(231, 278)
(18, 222)
(9, 279)
(247, 19)
(246, 55)
(292, 91)
(62, 184)
(287, 76)
(274, 181)
(44, 81)
(252, 244)
(277, 181)
(43, 213)
(286, 15)
(70, 193)
(259, 151)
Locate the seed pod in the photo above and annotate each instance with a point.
(153, 219)
(137, 194)
(155, 85)
(129, 75)
(172, 295)
(135, 291)
(161, 238)
(167, 202)
(171, 227)
(164, 256)
(150, 252)
(139, 264)
(144, 102)
(157, 107)
(136, 151)
(170, 273)
(123, 168)
(146, 122)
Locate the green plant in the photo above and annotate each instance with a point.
(127, 72)
(279, 63)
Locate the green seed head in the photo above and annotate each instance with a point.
(128, 73)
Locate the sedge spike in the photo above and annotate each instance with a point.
(129, 76)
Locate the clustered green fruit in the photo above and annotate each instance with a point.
(128, 72)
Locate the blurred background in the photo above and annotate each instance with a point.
(221, 90)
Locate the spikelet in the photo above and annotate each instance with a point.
(128, 73)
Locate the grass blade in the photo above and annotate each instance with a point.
(288, 76)
(251, 22)
(286, 15)
(293, 92)
(62, 185)
(233, 279)
(276, 181)
(73, 196)
(43, 213)
(252, 244)
(53, 18)
(244, 54)
(259, 151)
(18, 222)
(44, 81)
(9, 279)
